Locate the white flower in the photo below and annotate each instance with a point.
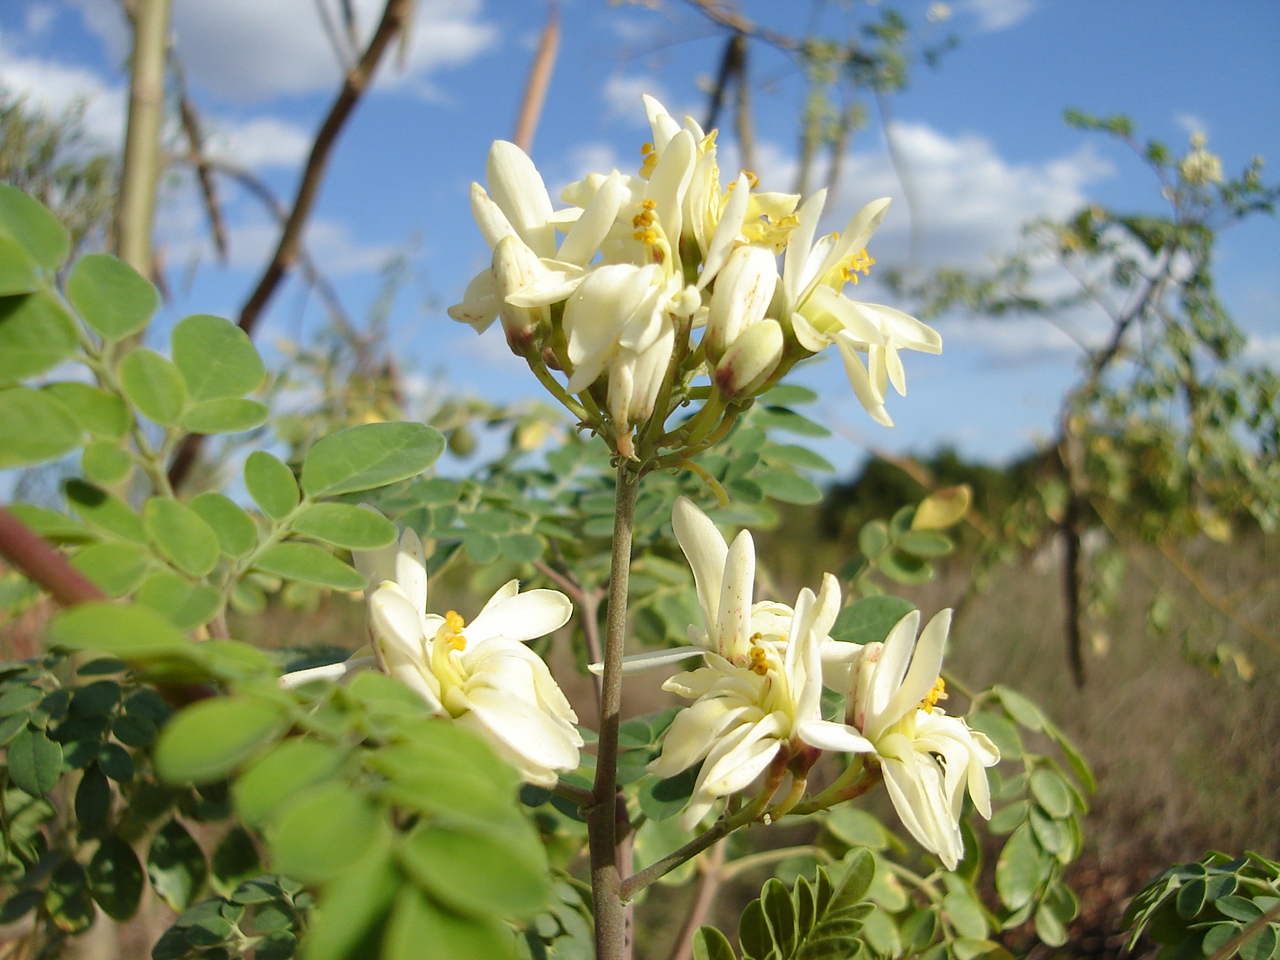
(811, 301)
(927, 757)
(745, 718)
(480, 674)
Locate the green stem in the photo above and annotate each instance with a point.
(534, 359)
(602, 818)
(140, 172)
(856, 780)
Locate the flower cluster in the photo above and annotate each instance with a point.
(646, 260)
(757, 699)
(479, 674)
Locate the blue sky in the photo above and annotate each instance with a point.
(982, 133)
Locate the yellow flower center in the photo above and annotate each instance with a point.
(939, 692)
(858, 263)
(450, 631)
(759, 664)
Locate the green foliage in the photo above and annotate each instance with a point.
(1218, 907)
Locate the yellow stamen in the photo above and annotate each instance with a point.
(450, 631)
(759, 661)
(939, 692)
(858, 263)
(647, 236)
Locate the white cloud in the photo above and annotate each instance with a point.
(1263, 351)
(622, 96)
(258, 142)
(250, 50)
(995, 15)
(39, 17)
(55, 88)
(1192, 123)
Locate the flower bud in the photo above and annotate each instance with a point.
(751, 360)
(740, 298)
(514, 267)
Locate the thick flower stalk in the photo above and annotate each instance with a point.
(480, 674)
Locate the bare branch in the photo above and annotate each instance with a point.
(535, 89)
(44, 566)
(204, 171)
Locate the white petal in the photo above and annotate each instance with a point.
(799, 246)
(733, 618)
(863, 389)
(330, 671)
(669, 181)
(837, 737)
(706, 552)
(519, 191)
(727, 231)
(526, 616)
(860, 327)
(583, 240)
(693, 733)
(524, 729)
(855, 234)
(919, 678)
(651, 660)
(411, 569)
(397, 625)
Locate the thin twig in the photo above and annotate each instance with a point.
(204, 170)
(394, 17)
(535, 88)
(709, 879)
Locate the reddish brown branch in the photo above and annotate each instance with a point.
(44, 566)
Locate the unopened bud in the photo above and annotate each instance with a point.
(743, 289)
(515, 266)
(750, 360)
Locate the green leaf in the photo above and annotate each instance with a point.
(309, 564)
(31, 224)
(1019, 869)
(857, 828)
(351, 907)
(966, 915)
(93, 798)
(904, 568)
(521, 547)
(126, 632)
(34, 427)
(780, 418)
(478, 872)
(343, 816)
(710, 944)
(176, 866)
(1051, 792)
(925, 543)
(36, 334)
(1049, 928)
(344, 525)
(661, 799)
(1001, 731)
(181, 536)
(154, 386)
(367, 456)
(420, 929)
(236, 532)
(271, 484)
(225, 416)
(18, 272)
(801, 458)
(789, 395)
(103, 415)
(104, 511)
(780, 915)
(111, 297)
(210, 739)
(105, 462)
(870, 619)
(788, 487)
(35, 762)
(116, 878)
(235, 859)
(287, 768)
(115, 568)
(67, 897)
(217, 359)
(185, 604)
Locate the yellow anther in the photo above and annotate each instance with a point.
(857, 263)
(643, 219)
(752, 179)
(649, 204)
(647, 236)
(450, 631)
(759, 661)
(646, 148)
(939, 692)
